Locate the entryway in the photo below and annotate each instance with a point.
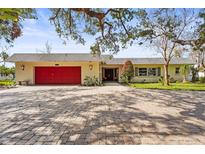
(110, 74)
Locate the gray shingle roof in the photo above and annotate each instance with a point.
(54, 57)
(149, 61)
(72, 57)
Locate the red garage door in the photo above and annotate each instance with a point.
(57, 75)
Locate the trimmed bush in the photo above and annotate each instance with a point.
(171, 80)
(161, 80)
(7, 83)
(177, 81)
(202, 79)
(124, 79)
(91, 81)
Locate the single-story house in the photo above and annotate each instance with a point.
(66, 68)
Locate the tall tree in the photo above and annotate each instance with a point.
(112, 29)
(197, 42)
(160, 27)
(10, 23)
(7, 71)
(48, 48)
(3, 57)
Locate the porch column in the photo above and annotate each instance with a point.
(113, 73)
(103, 73)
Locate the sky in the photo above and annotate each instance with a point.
(37, 32)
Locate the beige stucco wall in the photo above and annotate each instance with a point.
(29, 74)
(171, 72)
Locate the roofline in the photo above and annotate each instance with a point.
(50, 53)
(97, 60)
(90, 54)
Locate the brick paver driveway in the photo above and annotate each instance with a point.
(100, 115)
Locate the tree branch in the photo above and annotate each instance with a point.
(123, 25)
(56, 14)
(185, 42)
(89, 12)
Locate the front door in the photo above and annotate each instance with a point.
(109, 74)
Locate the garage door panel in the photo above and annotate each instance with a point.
(57, 75)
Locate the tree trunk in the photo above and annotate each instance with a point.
(184, 74)
(166, 80)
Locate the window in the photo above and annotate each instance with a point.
(152, 71)
(2, 75)
(177, 71)
(142, 71)
(147, 71)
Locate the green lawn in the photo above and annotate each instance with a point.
(6, 83)
(173, 86)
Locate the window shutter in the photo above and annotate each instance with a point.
(136, 71)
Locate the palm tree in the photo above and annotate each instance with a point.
(3, 56)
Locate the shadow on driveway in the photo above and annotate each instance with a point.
(101, 115)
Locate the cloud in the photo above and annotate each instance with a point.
(30, 22)
(34, 32)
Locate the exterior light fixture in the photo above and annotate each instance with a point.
(90, 67)
(22, 67)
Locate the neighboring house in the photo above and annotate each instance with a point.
(73, 68)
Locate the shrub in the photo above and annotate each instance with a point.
(171, 80)
(127, 72)
(6, 83)
(7, 71)
(177, 81)
(194, 72)
(202, 79)
(91, 81)
(124, 79)
(161, 80)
